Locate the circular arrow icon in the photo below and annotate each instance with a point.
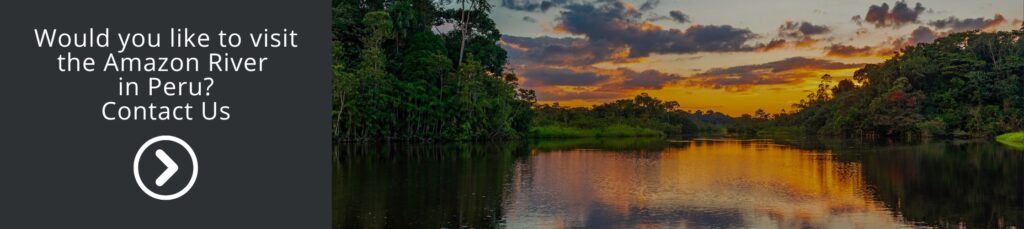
(168, 162)
(171, 167)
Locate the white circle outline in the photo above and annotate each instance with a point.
(195, 167)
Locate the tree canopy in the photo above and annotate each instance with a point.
(643, 111)
(398, 77)
(964, 84)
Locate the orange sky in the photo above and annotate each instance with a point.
(734, 102)
(731, 57)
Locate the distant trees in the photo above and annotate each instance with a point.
(395, 78)
(965, 84)
(643, 111)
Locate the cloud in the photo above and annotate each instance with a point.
(782, 43)
(800, 34)
(649, 5)
(787, 71)
(675, 15)
(920, 35)
(961, 25)
(545, 76)
(679, 16)
(588, 83)
(533, 5)
(806, 42)
(900, 14)
(801, 29)
(648, 79)
(620, 24)
(561, 95)
(529, 19)
(614, 32)
(839, 50)
(857, 19)
(561, 51)
(605, 79)
(773, 45)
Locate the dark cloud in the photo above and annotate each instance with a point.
(787, 71)
(800, 34)
(961, 25)
(619, 24)
(612, 80)
(557, 95)
(674, 15)
(529, 19)
(544, 76)
(788, 64)
(923, 35)
(552, 83)
(679, 16)
(801, 29)
(649, 5)
(561, 51)
(839, 50)
(899, 15)
(611, 31)
(533, 5)
(648, 79)
(858, 19)
(773, 45)
(615, 32)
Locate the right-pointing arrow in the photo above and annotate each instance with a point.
(171, 167)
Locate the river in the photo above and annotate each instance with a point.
(719, 183)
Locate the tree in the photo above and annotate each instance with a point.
(964, 84)
(394, 78)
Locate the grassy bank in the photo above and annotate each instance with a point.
(1015, 139)
(618, 130)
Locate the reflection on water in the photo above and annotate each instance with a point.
(694, 183)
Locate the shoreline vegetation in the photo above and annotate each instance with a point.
(964, 85)
(641, 116)
(396, 78)
(617, 130)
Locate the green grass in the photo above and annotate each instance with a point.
(1014, 139)
(560, 132)
(615, 144)
(628, 131)
(617, 130)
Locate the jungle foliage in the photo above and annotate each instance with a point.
(963, 85)
(397, 76)
(641, 116)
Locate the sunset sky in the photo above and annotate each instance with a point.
(732, 56)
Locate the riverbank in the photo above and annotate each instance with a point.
(780, 131)
(617, 130)
(1014, 139)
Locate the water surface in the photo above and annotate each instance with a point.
(722, 183)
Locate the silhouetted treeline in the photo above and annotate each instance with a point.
(643, 111)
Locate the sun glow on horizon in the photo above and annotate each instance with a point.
(735, 61)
